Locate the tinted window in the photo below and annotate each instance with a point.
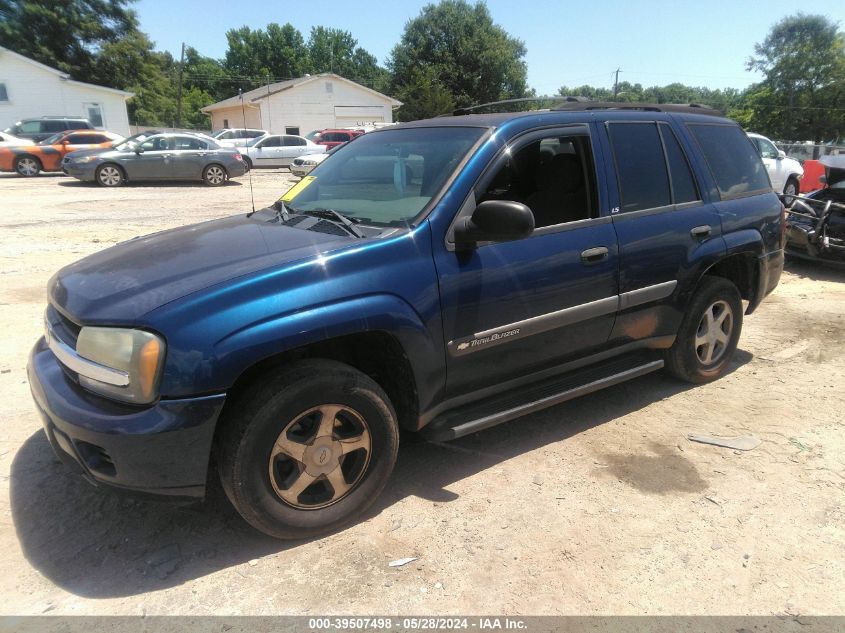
(77, 125)
(86, 139)
(188, 142)
(732, 158)
(226, 135)
(253, 134)
(552, 176)
(29, 127)
(270, 141)
(53, 126)
(640, 166)
(334, 137)
(294, 140)
(680, 175)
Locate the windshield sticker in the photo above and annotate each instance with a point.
(298, 188)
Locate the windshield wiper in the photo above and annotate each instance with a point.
(331, 214)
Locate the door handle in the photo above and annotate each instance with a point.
(593, 255)
(701, 232)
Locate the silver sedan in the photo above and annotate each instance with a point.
(158, 157)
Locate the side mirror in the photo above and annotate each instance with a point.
(495, 221)
(781, 154)
(139, 150)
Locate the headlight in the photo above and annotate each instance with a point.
(140, 354)
(309, 162)
(83, 159)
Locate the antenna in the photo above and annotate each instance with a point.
(249, 173)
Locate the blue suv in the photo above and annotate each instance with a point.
(441, 276)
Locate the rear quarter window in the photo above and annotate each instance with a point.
(732, 158)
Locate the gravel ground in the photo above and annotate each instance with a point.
(598, 506)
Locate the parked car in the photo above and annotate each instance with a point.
(536, 257)
(236, 137)
(333, 138)
(41, 128)
(303, 165)
(7, 140)
(30, 160)
(816, 228)
(785, 173)
(277, 150)
(174, 156)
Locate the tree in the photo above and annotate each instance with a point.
(337, 51)
(803, 60)
(67, 35)
(459, 48)
(256, 56)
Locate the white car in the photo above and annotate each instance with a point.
(785, 173)
(236, 137)
(7, 140)
(278, 150)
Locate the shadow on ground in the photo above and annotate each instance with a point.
(816, 270)
(100, 544)
(159, 184)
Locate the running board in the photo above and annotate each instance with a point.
(459, 422)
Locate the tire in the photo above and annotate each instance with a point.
(109, 175)
(214, 175)
(718, 334)
(291, 499)
(28, 166)
(248, 163)
(790, 190)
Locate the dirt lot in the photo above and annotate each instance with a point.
(598, 506)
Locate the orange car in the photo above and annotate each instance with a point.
(30, 160)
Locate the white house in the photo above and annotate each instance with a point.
(30, 89)
(298, 106)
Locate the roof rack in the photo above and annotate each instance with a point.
(471, 109)
(689, 108)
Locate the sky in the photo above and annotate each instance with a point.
(568, 43)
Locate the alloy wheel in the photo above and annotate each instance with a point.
(320, 457)
(27, 167)
(714, 332)
(110, 176)
(215, 175)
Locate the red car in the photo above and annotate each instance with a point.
(333, 138)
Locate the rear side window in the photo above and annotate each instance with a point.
(732, 158)
(54, 126)
(270, 141)
(640, 166)
(86, 139)
(188, 142)
(294, 141)
(680, 175)
(79, 125)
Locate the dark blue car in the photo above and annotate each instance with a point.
(440, 276)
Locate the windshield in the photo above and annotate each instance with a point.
(253, 141)
(313, 135)
(131, 141)
(52, 140)
(386, 178)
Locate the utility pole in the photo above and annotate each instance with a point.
(179, 89)
(616, 83)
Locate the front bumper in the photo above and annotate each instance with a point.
(81, 171)
(162, 449)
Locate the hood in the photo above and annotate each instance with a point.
(124, 282)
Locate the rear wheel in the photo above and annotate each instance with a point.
(109, 176)
(214, 175)
(307, 451)
(709, 333)
(27, 166)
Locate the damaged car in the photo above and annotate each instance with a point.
(816, 226)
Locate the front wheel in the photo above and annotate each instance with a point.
(214, 175)
(307, 451)
(27, 166)
(709, 333)
(790, 190)
(109, 176)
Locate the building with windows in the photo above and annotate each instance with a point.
(30, 89)
(298, 106)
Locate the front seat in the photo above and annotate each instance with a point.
(560, 195)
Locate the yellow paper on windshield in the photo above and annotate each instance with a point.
(298, 188)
